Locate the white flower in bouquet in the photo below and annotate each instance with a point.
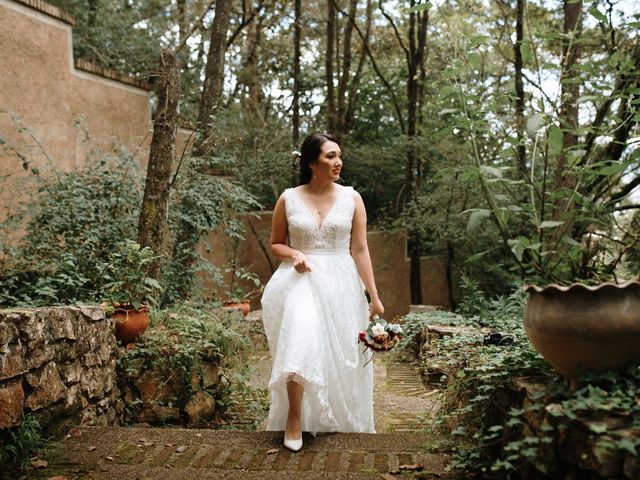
(395, 328)
(377, 329)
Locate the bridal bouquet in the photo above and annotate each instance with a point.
(380, 335)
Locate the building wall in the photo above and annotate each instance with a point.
(66, 112)
(68, 108)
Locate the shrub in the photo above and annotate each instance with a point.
(72, 225)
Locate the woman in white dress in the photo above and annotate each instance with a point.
(315, 304)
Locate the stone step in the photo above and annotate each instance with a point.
(139, 453)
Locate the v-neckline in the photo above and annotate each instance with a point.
(313, 218)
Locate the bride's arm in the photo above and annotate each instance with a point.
(279, 232)
(360, 254)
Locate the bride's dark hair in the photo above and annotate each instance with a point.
(309, 153)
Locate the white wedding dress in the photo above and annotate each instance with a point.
(312, 320)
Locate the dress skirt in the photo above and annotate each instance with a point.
(312, 320)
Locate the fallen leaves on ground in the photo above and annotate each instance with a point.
(272, 450)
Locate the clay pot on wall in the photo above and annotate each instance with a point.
(243, 307)
(130, 323)
(594, 327)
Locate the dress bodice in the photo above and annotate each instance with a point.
(334, 234)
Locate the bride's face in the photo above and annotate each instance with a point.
(329, 163)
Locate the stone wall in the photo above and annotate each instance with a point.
(155, 391)
(59, 363)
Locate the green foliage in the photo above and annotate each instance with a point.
(125, 276)
(18, 444)
(72, 223)
(555, 211)
(112, 34)
(57, 247)
(201, 203)
(487, 424)
(243, 286)
(256, 151)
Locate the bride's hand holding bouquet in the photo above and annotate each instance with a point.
(380, 335)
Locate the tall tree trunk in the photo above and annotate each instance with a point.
(152, 225)
(183, 26)
(297, 33)
(254, 34)
(417, 44)
(346, 71)
(331, 102)
(521, 151)
(213, 80)
(185, 248)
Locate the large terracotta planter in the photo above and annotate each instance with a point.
(130, 324)
(596, 327)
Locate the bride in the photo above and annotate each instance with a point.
(315, 304)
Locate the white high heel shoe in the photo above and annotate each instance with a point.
(293, 445)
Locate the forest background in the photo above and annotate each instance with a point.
(501, 136)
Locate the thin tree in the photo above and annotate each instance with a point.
(297, 34)
(521, 151)
(152, 224)
(188, 234)
(568, 116)
(329, 54)
(415, 54)
(213, 80)
(343, 83)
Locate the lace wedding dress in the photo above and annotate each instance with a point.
(312, 320)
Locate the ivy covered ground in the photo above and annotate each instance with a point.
(506, 414)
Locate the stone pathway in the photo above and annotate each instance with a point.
(402, 406)
(154, 453)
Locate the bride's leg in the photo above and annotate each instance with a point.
(293, 427)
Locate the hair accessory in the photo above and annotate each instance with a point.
(296, 156)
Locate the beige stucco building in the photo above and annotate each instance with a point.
(54, 110)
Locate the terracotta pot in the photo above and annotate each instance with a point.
(597, 327)
(244, 307)
(130, 323)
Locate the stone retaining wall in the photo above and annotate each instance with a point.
(58, 362)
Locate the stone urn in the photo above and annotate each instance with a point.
(594, 327)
